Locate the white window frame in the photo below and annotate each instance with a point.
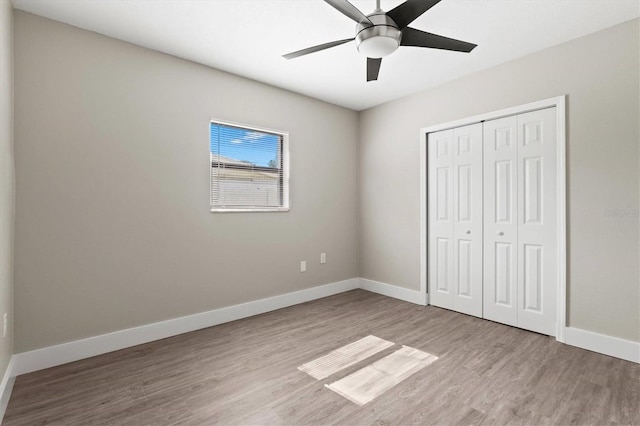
(285, 170)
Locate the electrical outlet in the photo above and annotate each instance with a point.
(4, 327)
(323, 257)
(303, 266)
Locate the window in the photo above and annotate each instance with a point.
(249, 168)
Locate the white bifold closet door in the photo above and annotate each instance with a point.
(493, 220)
(455, 224)
(520, 235)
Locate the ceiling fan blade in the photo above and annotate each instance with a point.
(373, 68)
(350, 11)
(413, 37)
(316, 48)
(409, 11)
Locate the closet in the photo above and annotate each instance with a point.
(492, 246)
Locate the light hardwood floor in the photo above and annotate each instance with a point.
(245, 372)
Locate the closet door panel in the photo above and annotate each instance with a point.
(500, 220)
(440, 210)
(467, 219)
(493, 221)
(537, 233)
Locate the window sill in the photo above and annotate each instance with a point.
(249, 210)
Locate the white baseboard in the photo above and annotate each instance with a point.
(394, 291)
(612, 346)
(51, 356)
(6, 386)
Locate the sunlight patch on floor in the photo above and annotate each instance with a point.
(344, 357)
(370, 382)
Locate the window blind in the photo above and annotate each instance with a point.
(247, 168)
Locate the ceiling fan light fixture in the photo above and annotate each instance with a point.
(379, 40)
(378, 47)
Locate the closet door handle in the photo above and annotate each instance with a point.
(501, 233)
(468, 232)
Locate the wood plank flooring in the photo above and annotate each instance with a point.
(245, 372)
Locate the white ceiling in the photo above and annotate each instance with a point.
(248, 37)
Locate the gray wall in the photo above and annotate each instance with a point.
(113, 228)
(7, 198)
(600, 74)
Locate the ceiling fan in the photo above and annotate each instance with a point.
(381, 33)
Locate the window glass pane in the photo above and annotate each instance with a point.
(245, 146)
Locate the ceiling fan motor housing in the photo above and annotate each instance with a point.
(379, 40)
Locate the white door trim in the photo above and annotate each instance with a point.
(557, 102)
